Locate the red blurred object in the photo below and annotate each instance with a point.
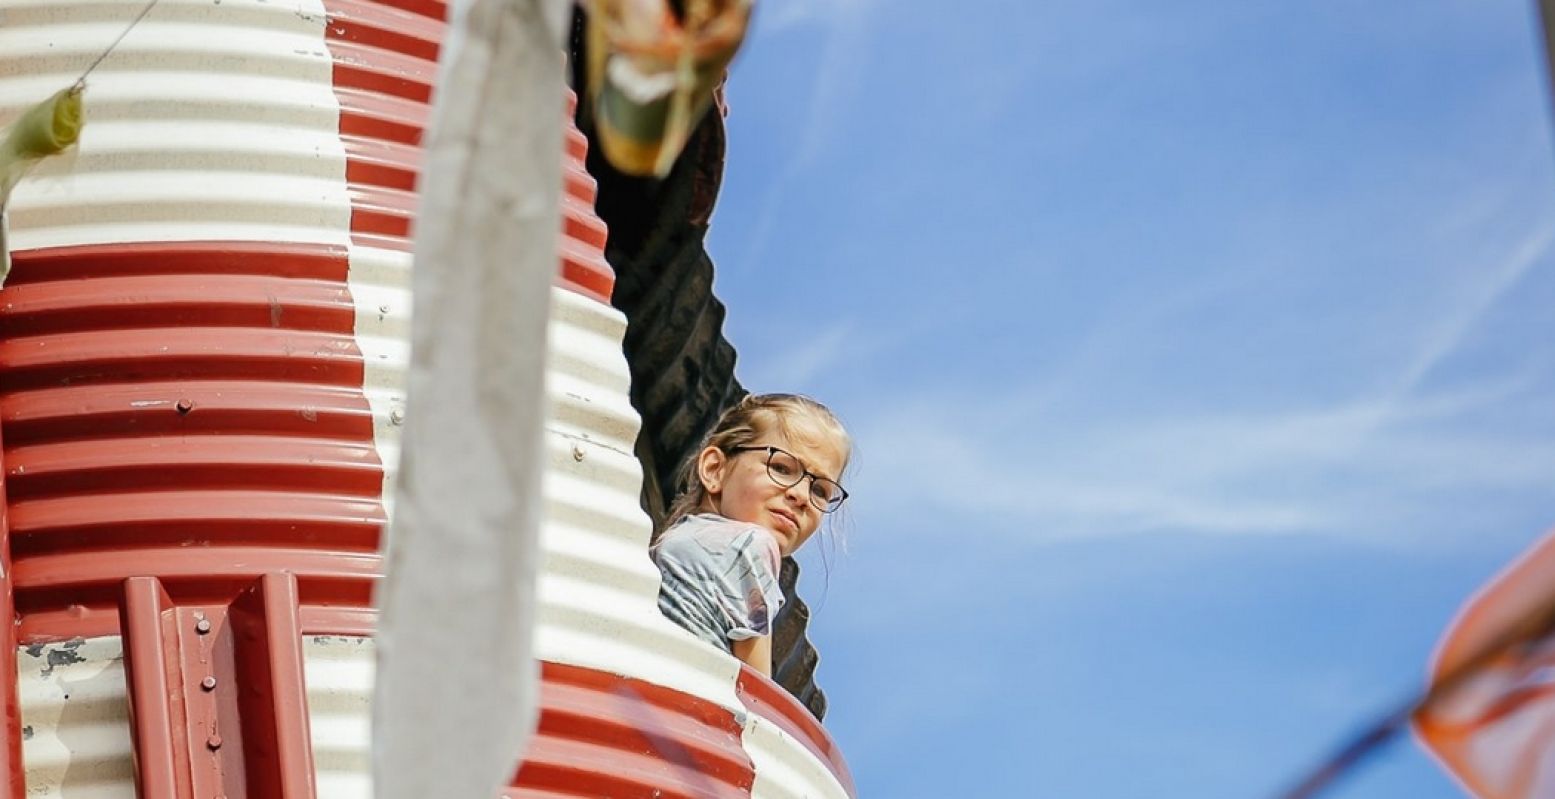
(1490, 718)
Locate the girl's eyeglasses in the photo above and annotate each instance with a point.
(786, 470)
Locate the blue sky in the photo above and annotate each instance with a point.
(1200, 355)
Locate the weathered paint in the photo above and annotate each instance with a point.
(75, 718)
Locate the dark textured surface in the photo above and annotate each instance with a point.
(681, 364)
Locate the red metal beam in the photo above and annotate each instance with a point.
(273, 705)
(218, 702)
(13, 775)
(156, 693)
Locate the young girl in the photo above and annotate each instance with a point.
(756, 492)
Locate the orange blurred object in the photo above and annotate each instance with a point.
(1490, 715)
(651, 74)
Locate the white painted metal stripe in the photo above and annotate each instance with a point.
(210, 121)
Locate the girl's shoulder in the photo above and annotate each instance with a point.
(709, 532)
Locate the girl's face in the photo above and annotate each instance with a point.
(741, 489)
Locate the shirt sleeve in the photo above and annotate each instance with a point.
(750, 595)
(720, 578)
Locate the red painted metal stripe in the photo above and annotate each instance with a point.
(431, 9)
(210, 353)
(128, 522)
(75, 594)
(373, 116)
(276, 259)
(584, 270)
(603, 734)
(210, 462)
(385, 67)
(191, 412)
(377, 162)
(386, 27)
(185, 408)
(376, 69)
(154, 301)
(767, 699)
(13, 772)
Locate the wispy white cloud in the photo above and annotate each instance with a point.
(1385, 458)
(781, 16)
(1379, 467)
(835, 78)
(796, 367)
(1478, 294)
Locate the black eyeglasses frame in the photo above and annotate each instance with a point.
(824, 506)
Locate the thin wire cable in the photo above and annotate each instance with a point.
(81, 81)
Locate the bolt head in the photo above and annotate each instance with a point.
(213, 743)
(202, 626)
(209, 683)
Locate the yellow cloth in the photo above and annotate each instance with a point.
(46, 129)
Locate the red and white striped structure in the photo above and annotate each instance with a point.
(202, 352)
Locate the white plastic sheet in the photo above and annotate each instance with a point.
(456, 694)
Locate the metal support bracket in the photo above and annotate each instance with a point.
(218, 704)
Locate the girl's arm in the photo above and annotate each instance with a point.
(756, 652)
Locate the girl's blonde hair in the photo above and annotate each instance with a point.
(748, 420)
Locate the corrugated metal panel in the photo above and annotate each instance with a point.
(210, 122)
(180, 381)
(339, 672)
(385, 63)
(75, 719)
(384, 70)
(600, 734)
(784, 769)
(151, 402)
(211, 411)
(598, 590)
(176, 338)
(658, 742)
(794, 754)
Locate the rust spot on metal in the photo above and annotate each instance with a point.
(64, 655)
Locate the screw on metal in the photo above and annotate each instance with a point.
(183, 406)
(577, 452)
(202, 626)
(209, 683)
(213, 743)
